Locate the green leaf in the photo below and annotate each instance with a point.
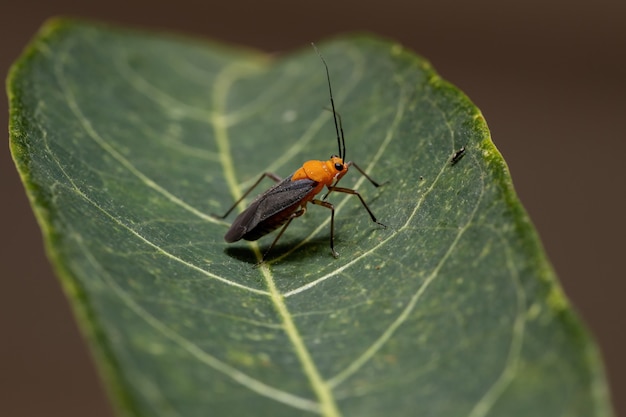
(127, 142)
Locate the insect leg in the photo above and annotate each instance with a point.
(332, 223)
(282, 230)
(274, 177)
(356, 193)
(374, 183)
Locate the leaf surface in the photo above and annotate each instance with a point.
(127, 142)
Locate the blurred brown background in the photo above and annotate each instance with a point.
(548, 76)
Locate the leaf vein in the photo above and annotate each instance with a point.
(242, 378)
(110, 149)
(389, 332)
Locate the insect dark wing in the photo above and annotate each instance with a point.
(281, 196)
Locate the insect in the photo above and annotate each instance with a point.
(458, 155)
(288, 199)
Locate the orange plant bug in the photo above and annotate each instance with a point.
(286, 200)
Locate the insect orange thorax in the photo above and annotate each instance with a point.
(326, 172)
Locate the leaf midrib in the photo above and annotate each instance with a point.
(223, 82)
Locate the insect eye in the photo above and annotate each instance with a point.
(338, 166)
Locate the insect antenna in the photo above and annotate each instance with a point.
(341, 141)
